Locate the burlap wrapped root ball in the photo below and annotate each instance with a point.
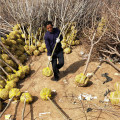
(20, 74)
(14, 35)
(77, 42)
(4, 94)
(21, 44)
(16, 27)
(5, 57)
(14, 92)
(81, 80)
(41, 49)
(18, 53)
(47, 72)
(3, 40)
(71, 42)
(36, 52)
(13, 42)
(2, 73)
(26, 47)
(26, 96)
(46, 50)
(23, 36)
(21, 48)
(115, 97)
(11, 63)
(64, 45)
(22, 58)
(13, 77)
(117, 86)
(32, 48)
(8, 69)
(10, 85)
(39, 44)
(2, 84)
(29, 52)
(67, 50)
(8, 43)
(45, 93)
(25, 69)
(2, 64)
(27, 42)
(43, 45)
(13, 49)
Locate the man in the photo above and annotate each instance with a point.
(51, 38)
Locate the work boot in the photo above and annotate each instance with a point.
(56, 78)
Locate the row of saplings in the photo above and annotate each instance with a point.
(19, 42)
(26, 97)
(11, 72)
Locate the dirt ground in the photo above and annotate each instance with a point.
(67, 92)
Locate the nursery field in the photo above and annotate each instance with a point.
(89, 34)
(67, 92)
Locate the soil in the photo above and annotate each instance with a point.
(67, 92)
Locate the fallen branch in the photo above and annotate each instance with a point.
(112, 64)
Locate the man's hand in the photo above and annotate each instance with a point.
(57, 40)
(49, 58)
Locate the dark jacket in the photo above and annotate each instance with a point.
(50, 41)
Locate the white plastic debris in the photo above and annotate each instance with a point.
(14, 102)
(86, 55)
(100, 58)
(26, 91)
(7, 117)
(117, 74)
(53, 90)
(106, 99)
(43, 114)
(81, 52)
(60, 100)
(95, 97)
(87, 97)
(65, 81)
(80, 97)
(99, 66)
(89, 74)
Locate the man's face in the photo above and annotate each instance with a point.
(49, 28)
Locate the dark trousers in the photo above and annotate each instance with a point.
(56, 66)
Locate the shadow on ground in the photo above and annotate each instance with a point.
(73, 68)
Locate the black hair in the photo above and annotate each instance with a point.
(48, 23)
